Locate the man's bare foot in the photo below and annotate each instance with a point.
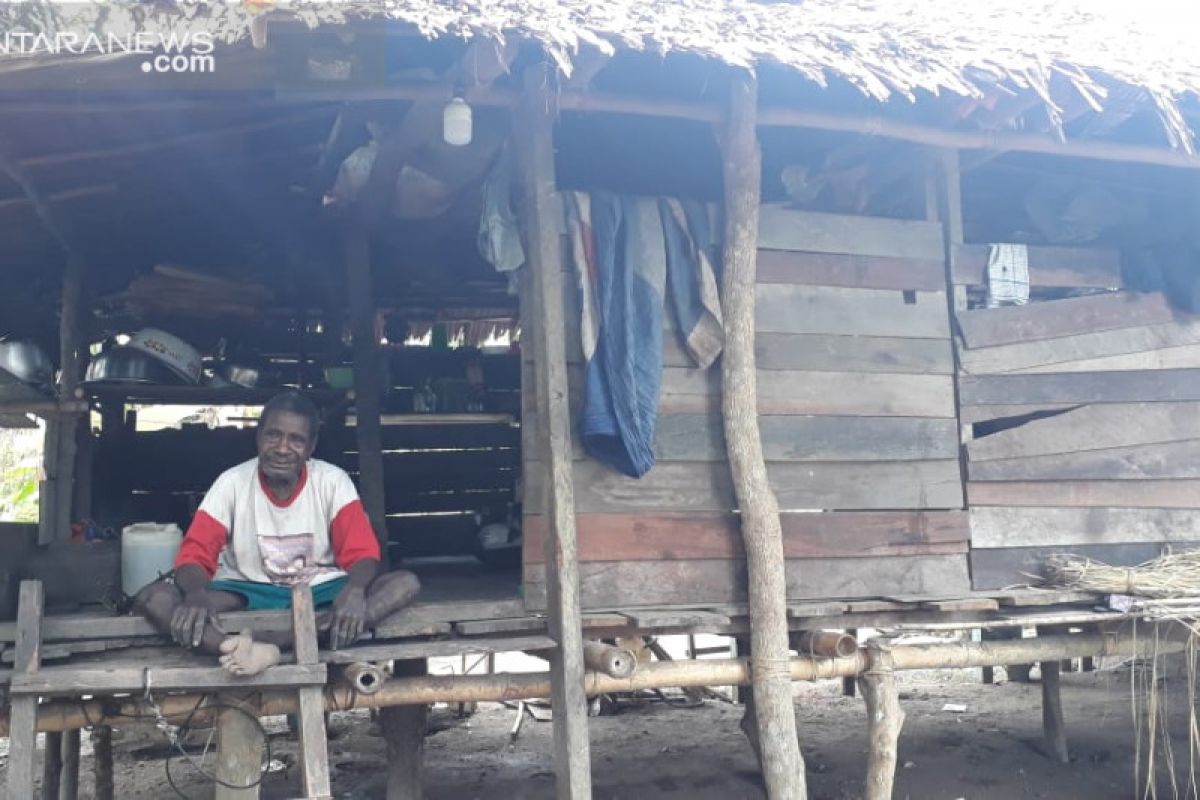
(242, 656)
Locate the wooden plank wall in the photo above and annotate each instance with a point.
(856, 403)
(1085, 416)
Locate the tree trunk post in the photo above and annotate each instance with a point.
(368, 391)
(782, 763)
(102, 761)
(239, 750)
(1053, 723)
(885, 718)
(404, 731)
(541, 211)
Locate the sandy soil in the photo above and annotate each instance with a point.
(991, 751)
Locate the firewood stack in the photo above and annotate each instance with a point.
(170, 290)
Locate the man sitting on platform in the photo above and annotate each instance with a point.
(265, 525)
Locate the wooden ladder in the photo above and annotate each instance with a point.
(30, 682)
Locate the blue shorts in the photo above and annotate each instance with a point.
(268, 596)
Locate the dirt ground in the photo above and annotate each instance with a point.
(990, 751)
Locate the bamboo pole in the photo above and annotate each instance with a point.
(615, 662)
(782, 763)
(826, 644)
(58, 715)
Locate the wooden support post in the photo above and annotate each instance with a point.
(367, 374)
(1053, 723)
(68, 786)
(541, 208)
(885, 718)
(782, 763)
(52, 764)
(541, 213)
(239, 750)
(22, 743)
(102, 762)
(404, 731)
(314, 752)
(848, 684)
(952, 222)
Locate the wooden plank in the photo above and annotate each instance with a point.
(648, 618)
(1183, 357)
(786, 308)
(1071, 267)
(998, 526)
(625, 584)
(696, 437)
(999, 568)
(1035, 597)
(69, 680)
(699, 535)
(962, 604)
(458, 500)
(851, 271)
(1140, 462)
(1055, 318)
(1185, 330)
(821, 393)
(437, 649)
(1127, 494)
(705, 486)
(783, 228)
(22, 715)
(817, 609)
(314, 749)
(1135, 386)
(1092, 427)
(819, 352)
(481, 627)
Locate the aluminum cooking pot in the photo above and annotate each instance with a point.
(127, 365)
(26, 362)
(170, 350)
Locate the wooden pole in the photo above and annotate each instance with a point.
(368, 391)
(52, 753)
(66, 714)
(68, 787)
(884, 720)
(533, 134)
(404, 731)
(314, 748)
(102, 761)
(23, 711)
(239, 750)
(1053, 724)
(782, 763)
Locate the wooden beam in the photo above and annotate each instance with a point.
(789, 117)
(774, 716)
(533, 129)
(63, 196)
(240, 742)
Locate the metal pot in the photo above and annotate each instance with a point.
(26, 362)
(248, 373)
(126, 365)
(170, 350)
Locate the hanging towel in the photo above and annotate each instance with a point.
(1008, 275)
(499, 236)
(626, 280)
(628, 253)
(692, 278)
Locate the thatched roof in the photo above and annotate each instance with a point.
(886, 48)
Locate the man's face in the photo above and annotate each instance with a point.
(285, 442)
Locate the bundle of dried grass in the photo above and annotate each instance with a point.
(1170, 575)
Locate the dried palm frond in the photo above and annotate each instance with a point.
(1170, 575)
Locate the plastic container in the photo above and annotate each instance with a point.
(148, 550)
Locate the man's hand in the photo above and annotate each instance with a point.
(192, 615)
(349, 619)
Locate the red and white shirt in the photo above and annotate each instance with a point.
(243, 532)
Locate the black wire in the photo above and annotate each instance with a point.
(185, 729)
